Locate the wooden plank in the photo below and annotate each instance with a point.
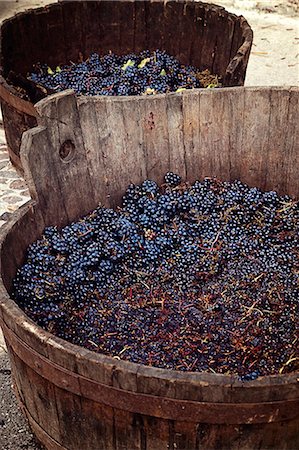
(71, 422)
(78, 189)
(123, 142)
(175, 128)
(95, 366)
(95, 135)
(24, 385)
(98, 428)
(42, 437)
(225, 31)
(292, 145)
(17, 103)
(184, 435)
(140, 42)
(109, 31)
(148, 382)
(55, 37)
(276, 159)
(11, 254)
(190, 24)
(204, 387)
(124, 376)
(62, 353)
(255, 137)
(214, 140)
(191, 117)
(15, 123)
(210, 437)
(13, 56)
(39, 399)
(92, 17)
(236, 38)
(25, 329)
(209, 38)
(255, 436)
(39, 38)
(153, 111)
(126, 34)
(235, 110)
(74, 30)
(37, 155)
(184, 30)
(72, 175)
(42, 47)
(7, 45)
(236, 70)
(170, 26)
(15, 374)
(44, 398)
(154, 25)
(157, 433)
(128, 430)
(198, 35)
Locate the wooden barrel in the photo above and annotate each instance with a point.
(196, 33)
(92, 147)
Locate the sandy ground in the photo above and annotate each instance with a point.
(274, 61)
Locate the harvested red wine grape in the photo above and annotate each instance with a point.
(132, 74)
(192, 277)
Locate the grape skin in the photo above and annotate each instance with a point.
(193, 277)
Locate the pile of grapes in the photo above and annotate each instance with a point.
(193, 277)
(133, 74)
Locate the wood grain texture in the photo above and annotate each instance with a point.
(197, 33)
(70, 180)
(100, 402)
(228, 133)
(292, 144)
(153, 112)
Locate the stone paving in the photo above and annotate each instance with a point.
(13, 190)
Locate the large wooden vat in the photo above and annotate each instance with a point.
(196, 33)
(87, 150)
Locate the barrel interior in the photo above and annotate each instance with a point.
(209, 37)
(201, 34)
(234, 133)
(77, 399)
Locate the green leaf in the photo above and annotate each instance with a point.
(180, 89)
(57, 70)
(50, 71)
(143, 62)
(163, 72)
(211, 86)
(129, 63)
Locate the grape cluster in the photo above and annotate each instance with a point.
(132, 74)
(192, 277)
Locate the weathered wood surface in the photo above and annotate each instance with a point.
(209, 37)
(235, 133)
(75, 398)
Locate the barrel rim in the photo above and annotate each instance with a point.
(10, 95)
(10, 312)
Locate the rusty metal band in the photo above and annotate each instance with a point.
(17, 103)
(150, 405)
(40, 433)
